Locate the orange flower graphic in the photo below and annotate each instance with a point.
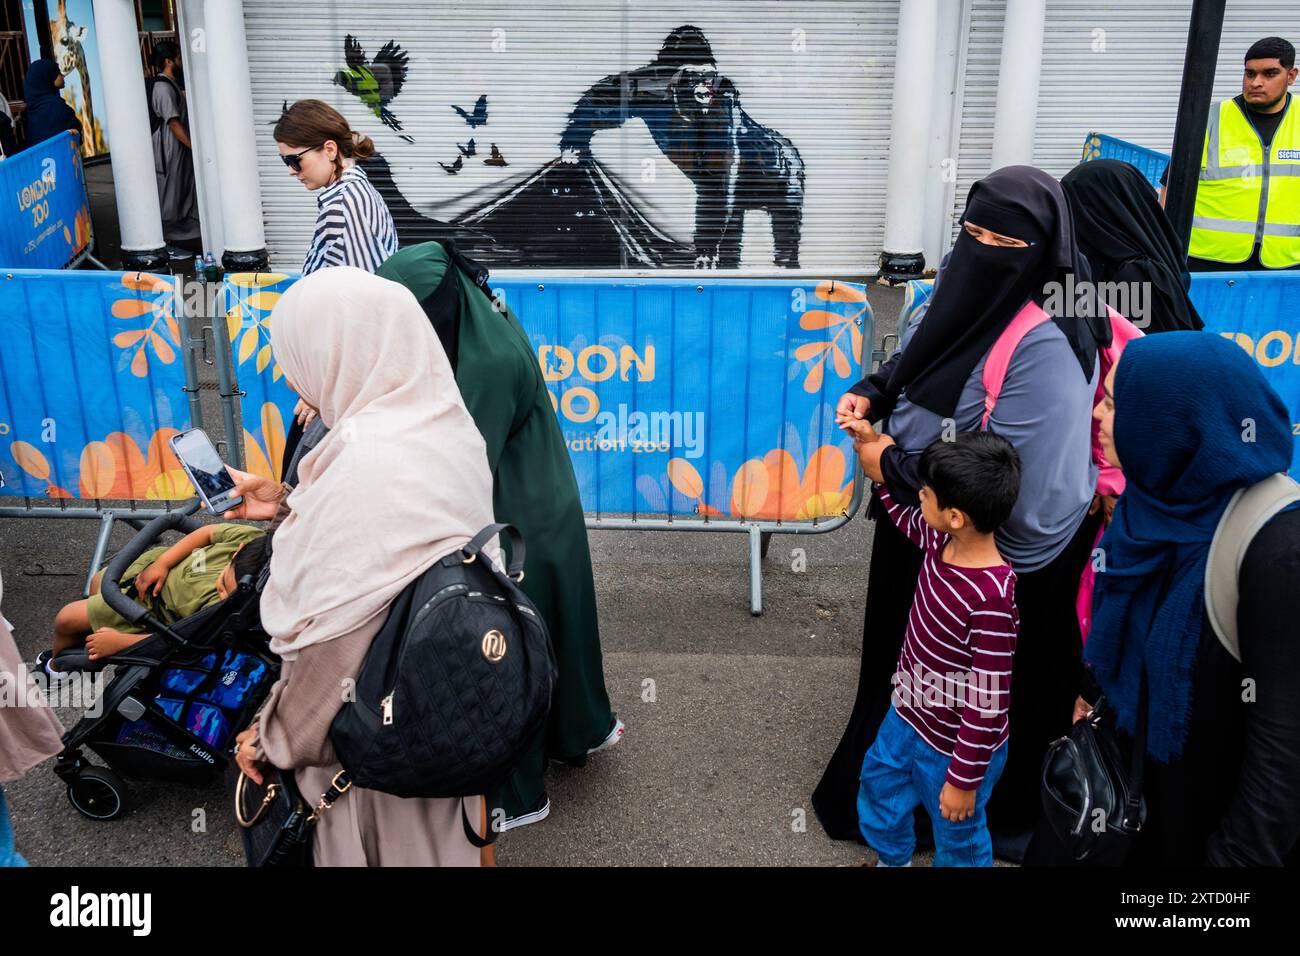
(116, 468)
(771, 488)
(266, 457)
(162, 334)
(844, 346)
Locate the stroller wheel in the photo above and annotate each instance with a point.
(98, 793)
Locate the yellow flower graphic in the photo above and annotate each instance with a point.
(249, 319)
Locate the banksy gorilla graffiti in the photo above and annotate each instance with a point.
(694, 114)
(572, 211)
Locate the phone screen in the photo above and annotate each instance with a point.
(205, 468)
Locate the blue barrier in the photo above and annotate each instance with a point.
(1149, 162)
(676, 397)
(91, 386)
(48, 223)
(1256, 310)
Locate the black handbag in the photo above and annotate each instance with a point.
(276, 824)
(1092, 797)
(455, 685)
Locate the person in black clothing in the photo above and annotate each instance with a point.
(1128, 239)
(1223, 736)
(47, 114)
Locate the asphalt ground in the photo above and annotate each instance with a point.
(730, 718)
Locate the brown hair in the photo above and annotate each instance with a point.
(310, 123)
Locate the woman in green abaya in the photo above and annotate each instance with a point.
(534, 490)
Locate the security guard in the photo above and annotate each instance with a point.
(1248, 200)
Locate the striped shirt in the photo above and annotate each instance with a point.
(353, 226)
(953, 681)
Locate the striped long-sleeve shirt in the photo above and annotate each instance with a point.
(953, 681)
(353, 226)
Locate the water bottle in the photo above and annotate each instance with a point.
(198, 267)
(210, 268)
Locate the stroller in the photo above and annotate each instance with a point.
(178, 698)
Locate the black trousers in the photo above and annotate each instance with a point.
(1044, 681)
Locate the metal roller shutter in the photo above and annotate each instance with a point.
(796, 84)
(1111, 67)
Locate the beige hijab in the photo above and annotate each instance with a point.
(401, 479)
(29, 729)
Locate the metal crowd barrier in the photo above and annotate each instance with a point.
(94, 375)
(687, 405)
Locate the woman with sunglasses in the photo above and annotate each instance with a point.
(353, 225)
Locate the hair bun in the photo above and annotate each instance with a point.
(362, 146)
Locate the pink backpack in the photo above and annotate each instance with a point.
(1110, 480)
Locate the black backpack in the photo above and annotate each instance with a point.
(455, 684)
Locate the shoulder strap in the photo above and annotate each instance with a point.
(999, 357)
(1248, 511)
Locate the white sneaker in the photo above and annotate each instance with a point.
(533, 816)
(615, 735)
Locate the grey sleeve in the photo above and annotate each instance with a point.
(1045, 411)
(166, 101)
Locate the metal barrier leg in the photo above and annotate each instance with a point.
(101, 548)
(755, 572)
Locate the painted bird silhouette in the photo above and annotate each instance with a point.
(469, 149)
(454, 168)
(478, 117)
(496, 159)
(375, 82)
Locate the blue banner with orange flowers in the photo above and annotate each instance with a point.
(91, 386)
(676, 397)
(46, 219)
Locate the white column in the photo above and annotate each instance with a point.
(909, 139)
(130, 139)
(235, 135)
(942, 165)
(192, 37)
(1016, 113)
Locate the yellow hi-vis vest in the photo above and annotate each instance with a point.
(1245, 195)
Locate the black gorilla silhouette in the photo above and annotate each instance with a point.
(694, 114)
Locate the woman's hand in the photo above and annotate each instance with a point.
(1105, 502)
(244, 757)
(304, 413)
(261, 496)
(150, 581)
(851, 408)
(1081, 710)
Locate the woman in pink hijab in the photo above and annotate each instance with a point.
(400, 481)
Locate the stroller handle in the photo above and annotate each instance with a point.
(178, 520)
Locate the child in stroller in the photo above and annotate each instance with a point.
(191, 676)
(176, 581)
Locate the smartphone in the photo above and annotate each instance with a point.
(198, 456)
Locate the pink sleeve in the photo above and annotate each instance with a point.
(1110, 480)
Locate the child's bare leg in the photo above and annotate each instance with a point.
(106, 642)
(71, 625)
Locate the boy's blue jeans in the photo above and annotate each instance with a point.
(900, 771)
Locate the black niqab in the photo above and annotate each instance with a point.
(1128, 238)
(985, 286)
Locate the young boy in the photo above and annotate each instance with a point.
(200, 569)
(943, 743)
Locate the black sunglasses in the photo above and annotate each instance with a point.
(294, 160)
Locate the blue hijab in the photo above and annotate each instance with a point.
(1194, 422)
(46, 114)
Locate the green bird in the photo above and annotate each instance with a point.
(375, 83)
